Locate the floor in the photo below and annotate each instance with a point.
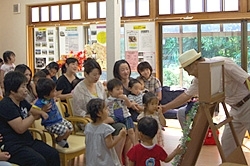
(209, 155)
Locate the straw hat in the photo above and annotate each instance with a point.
(188, 57)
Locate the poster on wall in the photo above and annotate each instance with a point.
(71, 39)
(132, 43)
(140, 42)
(45, 47)
(97, 46)
(132, 58)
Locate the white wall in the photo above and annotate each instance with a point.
(13, 27)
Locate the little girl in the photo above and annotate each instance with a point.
(99, 142)
(152, 109)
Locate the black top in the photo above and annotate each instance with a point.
(9, 111)
(64, 84)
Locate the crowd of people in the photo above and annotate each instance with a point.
(111, 138)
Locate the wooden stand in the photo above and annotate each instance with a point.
(202, 121)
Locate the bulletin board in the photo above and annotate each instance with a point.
(140, 43)
(45, 46)
(71, 39)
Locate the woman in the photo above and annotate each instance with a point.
(17, 115)
(88, 88)
(91, 88)
(66, 82)
(122, 71)
(31, 96)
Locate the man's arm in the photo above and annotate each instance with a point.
(178, 101)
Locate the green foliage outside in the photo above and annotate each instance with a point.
(227, 46)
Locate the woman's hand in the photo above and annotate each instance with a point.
(4, 156)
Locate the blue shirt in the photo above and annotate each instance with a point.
(54, 114)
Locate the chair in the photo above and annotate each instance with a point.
(69, 106)
(76, 142)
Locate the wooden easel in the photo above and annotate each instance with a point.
(203, 119)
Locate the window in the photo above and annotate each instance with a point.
(129, 8)
(180, 6)
(76, 11)
(216, 39)
(213, 6)
(35, 14)
(66, 12)
(143, 8)
(102, 9)
(93, 12)
(46, 13)
(164, 7)
(54, 13)
(195, 6)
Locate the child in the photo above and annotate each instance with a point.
(152, 109)
(143, 89)
(99, 142)
(151, 83)
(117, 104)
(147, 152)
(9, 59)
(38, 75)
(135, 95)
(53, 68)
(46, 72)
(46, 91)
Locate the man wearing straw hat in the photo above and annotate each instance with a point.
(237, 95)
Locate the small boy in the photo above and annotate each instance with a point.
(152, 83)
(143, 89)
(148, 153)
(117, 104)
(135, 95)
(46, 91)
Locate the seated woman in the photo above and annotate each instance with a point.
(88, 89)
(31, 96)
(16, 116)
(66, 82)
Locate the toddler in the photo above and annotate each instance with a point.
(9, 60)
(99, 142)
(152, 109)
(147, 152)
(46, 92)
(117, 104)
(135, 95)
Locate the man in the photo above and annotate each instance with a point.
(237, 95)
